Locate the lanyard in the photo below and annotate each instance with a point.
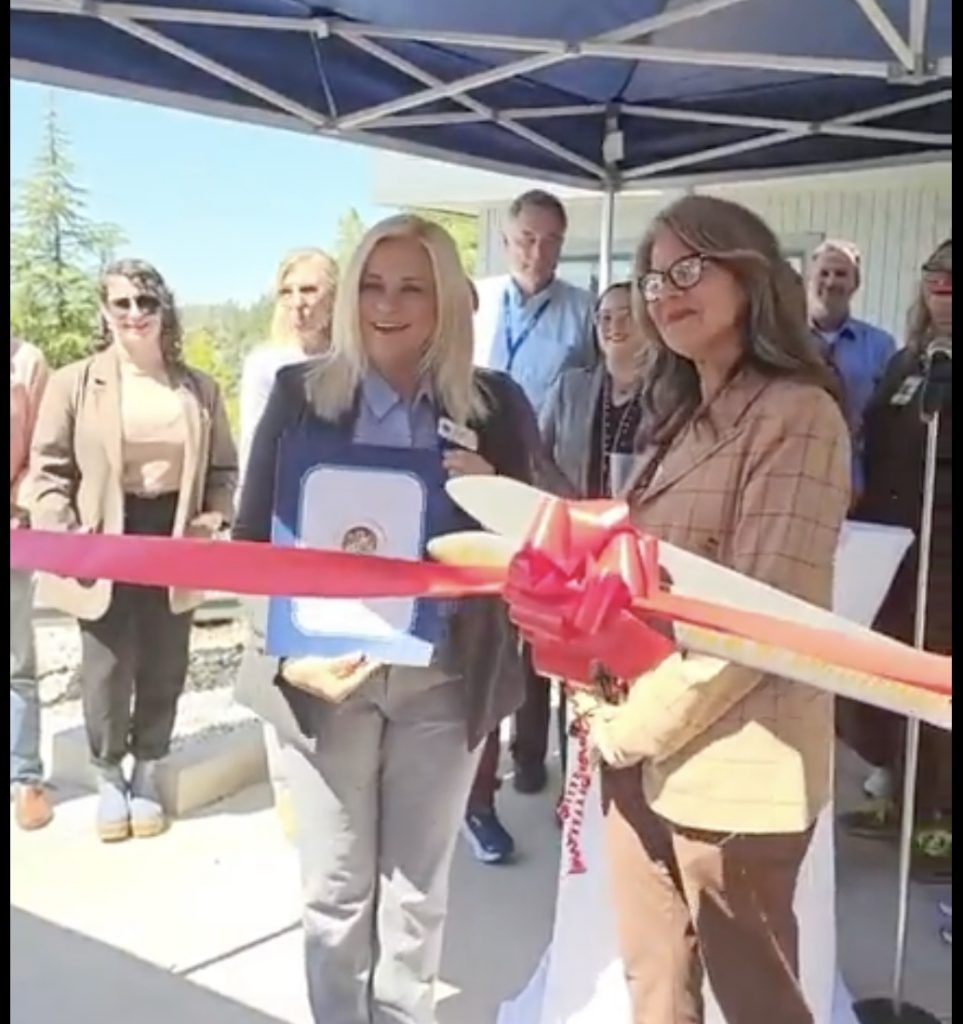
(513, 344)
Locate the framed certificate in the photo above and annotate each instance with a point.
(333, 495)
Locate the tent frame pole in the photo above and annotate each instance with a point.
(896, 1010)
(607, 233)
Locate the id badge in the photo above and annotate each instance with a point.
(456, 435)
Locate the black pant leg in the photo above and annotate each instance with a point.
(162, 650)
(107, 666)
(532, 718)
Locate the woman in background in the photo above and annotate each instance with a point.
(592, 414)
(895, 449)
(29, 373)
(131, 441)
(589, 415)
(304, 288)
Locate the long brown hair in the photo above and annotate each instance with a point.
(148, 278)
(919, 327)
(778, 341)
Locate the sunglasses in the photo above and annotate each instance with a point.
(684, 274)
(935, 270)
(147, 304)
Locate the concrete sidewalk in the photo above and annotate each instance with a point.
(202, 923)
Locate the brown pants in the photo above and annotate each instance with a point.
(688, 901)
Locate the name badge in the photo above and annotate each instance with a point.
(905, 392)
(453, 433)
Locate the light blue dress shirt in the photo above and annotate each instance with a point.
(860, 352)
(384, 418)
(550, 341)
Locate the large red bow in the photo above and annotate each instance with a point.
(570, 590)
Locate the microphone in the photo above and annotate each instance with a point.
(942, 345)
(937, 376)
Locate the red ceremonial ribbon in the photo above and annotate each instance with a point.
(572, 809)
(571, 590)
(573, 583)
(584, 590)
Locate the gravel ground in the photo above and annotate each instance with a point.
(207, 704)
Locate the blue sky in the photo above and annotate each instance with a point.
(212, 203)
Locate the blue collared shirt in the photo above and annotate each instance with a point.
(561, 338)
(384, 418)
(860, 352)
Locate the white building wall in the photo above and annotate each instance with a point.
(896, 216)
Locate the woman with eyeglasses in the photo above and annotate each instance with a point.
(714, 774)
(131, 441)
(895, 455)
(592, 414)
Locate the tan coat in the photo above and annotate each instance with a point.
(759, 483)
(76, 467)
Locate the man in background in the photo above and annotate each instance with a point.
(531, 325)
(32, 810)
(858, 351)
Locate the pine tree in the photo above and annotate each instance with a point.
(56, 253)
(463, 228)
(350, 231)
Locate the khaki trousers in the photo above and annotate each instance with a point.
(378, 807)
(689, 902)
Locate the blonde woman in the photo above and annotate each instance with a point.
(304, 287)
(380, 779)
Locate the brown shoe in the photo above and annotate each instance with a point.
(32, 808)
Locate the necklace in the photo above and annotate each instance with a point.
(615, 432)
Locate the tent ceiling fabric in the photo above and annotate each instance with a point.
(591, 94)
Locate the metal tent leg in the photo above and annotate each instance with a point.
(895, 1010)
(607, 235)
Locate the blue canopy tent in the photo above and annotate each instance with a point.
(597, 95)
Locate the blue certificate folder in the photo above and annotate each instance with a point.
(337, 496)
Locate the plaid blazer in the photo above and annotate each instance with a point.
(759, 481)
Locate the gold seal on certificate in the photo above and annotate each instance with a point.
(362, 539)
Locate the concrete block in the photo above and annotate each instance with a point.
(201, 770)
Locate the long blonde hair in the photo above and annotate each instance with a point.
(447, 362)
(919, 328)
(777, 337)
(328, 284)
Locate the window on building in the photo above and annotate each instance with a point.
(584, 270)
